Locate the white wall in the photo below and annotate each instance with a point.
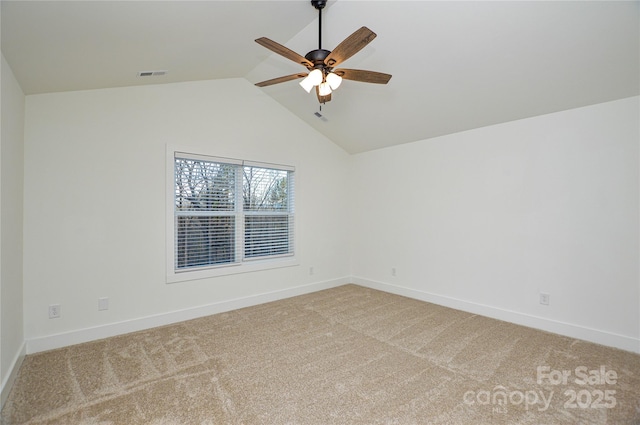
(482, 220)
(94, 208)
(12, 347)
(486, 219)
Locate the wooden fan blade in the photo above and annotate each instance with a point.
(322, 99)
(350, 46)
(363, 76)
(280, 80)
(283, 51)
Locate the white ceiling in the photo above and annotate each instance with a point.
(456, 65)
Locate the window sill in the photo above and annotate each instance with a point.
(248, 267)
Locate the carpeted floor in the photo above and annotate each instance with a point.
(348, 355)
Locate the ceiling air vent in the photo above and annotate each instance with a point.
(152, 73)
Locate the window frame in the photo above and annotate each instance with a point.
(242, 264)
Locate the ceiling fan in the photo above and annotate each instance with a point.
(321, 62)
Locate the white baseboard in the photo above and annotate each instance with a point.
(8, 381)
(51, 342)
(561, 328)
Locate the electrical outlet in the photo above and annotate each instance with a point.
(393, 271)
(544, 298)
(54, 311)
(311, 271)
(103, 304)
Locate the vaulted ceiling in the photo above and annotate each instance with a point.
(456, 65)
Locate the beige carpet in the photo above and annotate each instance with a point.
(348, 355)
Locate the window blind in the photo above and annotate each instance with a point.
(227, 212)
(267, 201)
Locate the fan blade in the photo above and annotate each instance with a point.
(350, 46)
(322, 99)
(283, 51)
(363, 76)
(280, 80)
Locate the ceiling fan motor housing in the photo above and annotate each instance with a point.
(317, 57)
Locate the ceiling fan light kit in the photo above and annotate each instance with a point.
(320, 62)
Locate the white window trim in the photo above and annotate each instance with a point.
(253, 265)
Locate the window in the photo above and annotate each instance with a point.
(229, 213)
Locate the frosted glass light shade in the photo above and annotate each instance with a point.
(324, 89)
(313, 79)
(334, 80)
